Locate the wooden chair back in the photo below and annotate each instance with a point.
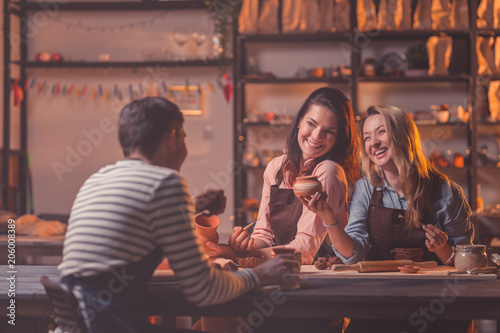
(68, 317)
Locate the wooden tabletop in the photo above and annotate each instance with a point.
(319, 298)
(34, 240)
(31, 248)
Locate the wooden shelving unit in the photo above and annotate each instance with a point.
(465, 74)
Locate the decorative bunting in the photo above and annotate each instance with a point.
(18, 92)
(228, 88)
(210, 86)
(186, 88)
(131, 91)
(153, 89)
(219, 83)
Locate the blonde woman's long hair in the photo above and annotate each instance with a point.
(419, 177)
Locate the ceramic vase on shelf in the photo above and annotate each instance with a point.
(206, 227)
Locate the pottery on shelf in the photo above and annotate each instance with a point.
(206, 227)
(307, 186)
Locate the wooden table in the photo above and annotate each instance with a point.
(31, 250)
(322, 297)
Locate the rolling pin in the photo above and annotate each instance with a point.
(382, 265)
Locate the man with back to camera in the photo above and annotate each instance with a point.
(128, 215)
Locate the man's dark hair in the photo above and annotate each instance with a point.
(143, 123)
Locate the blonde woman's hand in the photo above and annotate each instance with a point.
(436, 238)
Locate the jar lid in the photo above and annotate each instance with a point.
(471, 247)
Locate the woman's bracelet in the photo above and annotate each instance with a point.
(332, 225)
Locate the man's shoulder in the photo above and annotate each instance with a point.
(136, 167)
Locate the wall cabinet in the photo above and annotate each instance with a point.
(275, 73)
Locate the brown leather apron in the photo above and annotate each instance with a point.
(388, 231)
(285, 210)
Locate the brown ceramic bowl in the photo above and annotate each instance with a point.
(307, 186)
(408, 269)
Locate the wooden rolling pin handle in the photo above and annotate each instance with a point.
(341, 267)
(425, 264)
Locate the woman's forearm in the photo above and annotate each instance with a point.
(259, 243)
(444, 254)
(340, 239)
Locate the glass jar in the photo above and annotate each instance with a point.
(470, 256)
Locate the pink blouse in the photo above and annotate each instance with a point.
(310, 229)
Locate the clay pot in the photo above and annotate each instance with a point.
(307, 186)
(206, 227)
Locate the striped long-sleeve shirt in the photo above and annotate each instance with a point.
(126, 210)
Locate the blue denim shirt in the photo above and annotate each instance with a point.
(451, 213)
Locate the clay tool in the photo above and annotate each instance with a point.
(407, 219)
(248, 226)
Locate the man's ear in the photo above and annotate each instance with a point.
(171, 138)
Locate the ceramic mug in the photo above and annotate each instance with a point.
(206, 228)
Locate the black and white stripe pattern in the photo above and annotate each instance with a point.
(126, 210)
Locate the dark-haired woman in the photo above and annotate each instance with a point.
(322, 142)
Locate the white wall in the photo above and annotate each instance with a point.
(69, 138)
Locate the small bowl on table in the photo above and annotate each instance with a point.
(408, 269)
